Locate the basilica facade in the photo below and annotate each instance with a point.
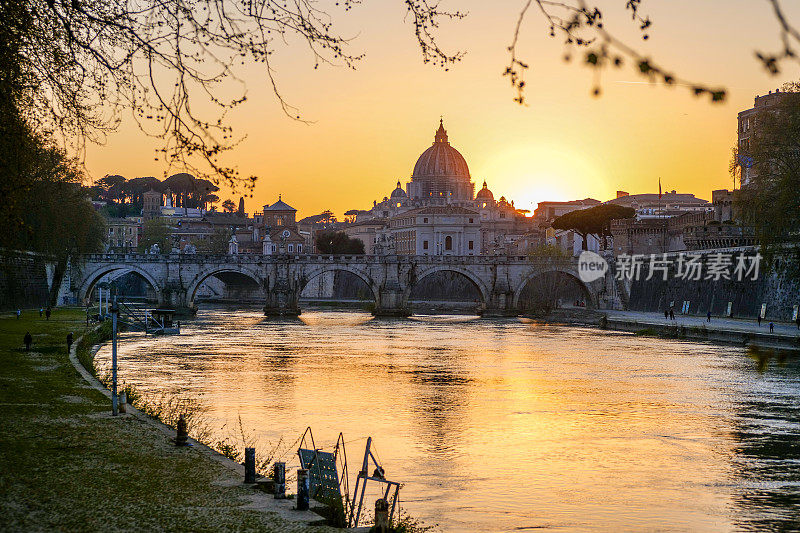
(439, 213)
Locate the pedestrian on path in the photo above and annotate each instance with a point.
(708, 316)
(671, 314)
(28, 341)
(798, 321)
(771, 327)
(69, 341)
(47, 313)
(18, 313)
(666, 314)
(41, 312)
(759, 320)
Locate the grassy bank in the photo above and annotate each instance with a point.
(66, 464)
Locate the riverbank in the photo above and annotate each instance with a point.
(718, 329)
(67, 464)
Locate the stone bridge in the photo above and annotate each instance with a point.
(175, 278)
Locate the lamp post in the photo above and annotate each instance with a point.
(114, 315)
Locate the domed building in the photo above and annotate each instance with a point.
(441, 173)
(475, 223)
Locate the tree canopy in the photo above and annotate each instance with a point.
(593, 221)
(72, 66)
(337, 242)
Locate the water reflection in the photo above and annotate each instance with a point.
(506, 425)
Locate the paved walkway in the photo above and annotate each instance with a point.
(717, 323)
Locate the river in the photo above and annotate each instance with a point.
(503, 425)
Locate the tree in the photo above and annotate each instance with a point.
(593, 221)
(549, 251)
(73, 66)
(228, 206)
(581, 26)
(217, 243)
(337, 242)
(770, 200)
(44, 207)
(155, 231)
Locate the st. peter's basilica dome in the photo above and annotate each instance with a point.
(441, 160)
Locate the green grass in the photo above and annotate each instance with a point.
(66, 465)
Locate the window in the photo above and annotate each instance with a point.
(424, 245)
(424, 220)
(291, 247)
(111, 231)
(470, 221)
(274, 248)
(279, 221)
(299, 248)
(448, 243)
(470, 245)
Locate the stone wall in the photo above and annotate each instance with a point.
(24, 281)
(780, 292)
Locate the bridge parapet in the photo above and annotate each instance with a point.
(391, 278)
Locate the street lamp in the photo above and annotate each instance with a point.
(114, 315)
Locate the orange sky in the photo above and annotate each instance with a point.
(371, 124)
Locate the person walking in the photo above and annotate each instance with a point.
(28, 341)
(41, 312)
(671, 313)
(69, 341)
(19, 312)
(771, 327)
(47, 313)
(708, 316)
(759, 320)
(666, 314)
(798, 321)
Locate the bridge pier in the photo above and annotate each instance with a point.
(282, 300)
(391, 302)
(500, 303)
(177, 299)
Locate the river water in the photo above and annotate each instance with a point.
(503, 425)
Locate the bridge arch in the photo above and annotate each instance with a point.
(477, 282)
(194, 284)
(568, 274)
(309, 275)
(91, 279)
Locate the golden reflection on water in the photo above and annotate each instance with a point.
(502, 425)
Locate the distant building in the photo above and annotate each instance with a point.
(436, 230)
(367, 231)
(441, 179)
(722, 201)
(123, 234)
(546, 212)
(152, 202)
(281, 235)
(654, 235)
(747, 127)
(571, 242)
(668, 204)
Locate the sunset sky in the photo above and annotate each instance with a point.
(370, 125)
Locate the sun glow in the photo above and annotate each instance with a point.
(529, 174)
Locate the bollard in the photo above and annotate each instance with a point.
(279, 475)
(302, 489)
(182, 435)
(381, 516)
(123, 402)
(249, 465)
